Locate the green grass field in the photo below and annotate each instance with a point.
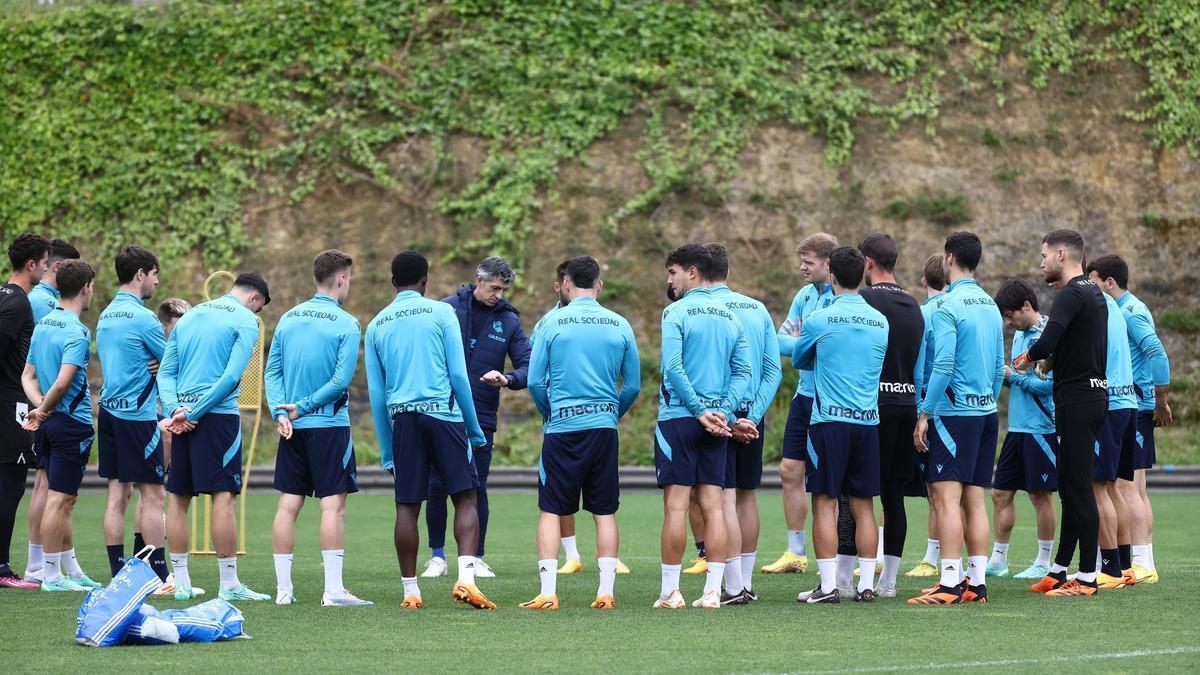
(1139, 629)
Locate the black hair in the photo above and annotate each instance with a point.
(26, 247)
(720, 261)
(408, 268)
(1068, 239)
(1111, 266)
(1014, 293)
(846, 265)
(692, 255)
(881, 248)
(255, 282)
(583, 271)
(61, 250)
(560, 271)
(966, 248)
(133, 258)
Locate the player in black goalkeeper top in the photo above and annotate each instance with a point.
(1077, 339)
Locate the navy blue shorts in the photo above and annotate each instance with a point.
(686, 454)
(843, 460)
(40, 449)
(68, 444)
(1027, 462)
(1144, 455)
(1116, 445)
(131, 451)
(316, 463)
(420, 441)
(575, 463)
(744, 461)
(795, 434)
(208, 458)
(962, 449)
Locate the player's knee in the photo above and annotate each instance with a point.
(1003, 498)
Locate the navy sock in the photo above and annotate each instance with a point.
(1110, 562)
(700, 549)
(440, 552)
(116, 558)
(138, 542)
(158, 563)
(1125, 552)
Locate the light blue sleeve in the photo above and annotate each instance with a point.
(772, 373)
(239, 357)
(1033, 384)
(273, 377)
(787, 343)
(1139, 328)
(539, 373)
(377, 392)
(805, 350)
(631, 374)
(343, 373)
(945, 349)
(77, 350)
(672, 358)
(998, 381)
(919, 370)
(168, 373)
(155, 338)
(456, 364)
(741, 373)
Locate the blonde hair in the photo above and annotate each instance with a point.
(821, 243)
(172, 308)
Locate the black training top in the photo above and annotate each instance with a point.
(906, 326)
(16, 327)
(1077, 337)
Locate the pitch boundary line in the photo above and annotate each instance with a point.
(1019, 662)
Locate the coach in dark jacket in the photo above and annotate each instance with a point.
(491, 330)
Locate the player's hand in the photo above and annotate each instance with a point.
(479, 441)
(178, 423)
(292, 413)
(1007, 373)
(152, 366)
(714, 423)
(34, 419)
(283, 427)
(745, 431)
(1162, 414)
(791, 327)
(494, 378)
(1042, 370)
(921, 433)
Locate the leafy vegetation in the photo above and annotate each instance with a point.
(153, 124)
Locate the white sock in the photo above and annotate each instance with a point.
(179, 568)
(548, 574)
(670, 579)
(410, 586)
(283, 571)
(466, 569)
(891, 568)
(951, 572)
(608, 575)
(1141, 555)
(1055, 568)
(569, 548)
(999, 559)
(1089, 577)
(228, 569)
(975, 570)
(796, 542)
(879, 546)
(733, 575)
(70, 564)
(51, 570)
(1099, 559)
(1045, 548)
(933, 549)
(37, 557)
(828, 569)
(712, 582)
(866, 577)
(1150, 553)
(748, 561)
(333, 559)
(845, 571)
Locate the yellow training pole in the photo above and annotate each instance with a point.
(250, 397)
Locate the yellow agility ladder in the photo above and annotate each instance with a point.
(250, 397)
